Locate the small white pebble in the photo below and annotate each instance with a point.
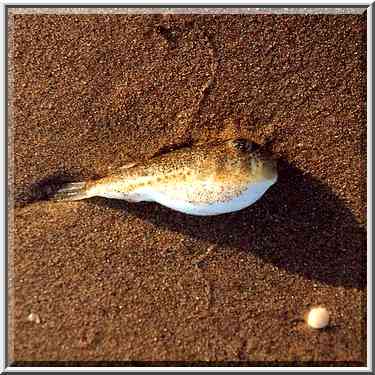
(33, 318)
(318, 318)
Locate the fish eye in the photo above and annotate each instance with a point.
(245, 145)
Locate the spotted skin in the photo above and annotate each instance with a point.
(203, 180)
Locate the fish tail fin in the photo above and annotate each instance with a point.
(72, 191)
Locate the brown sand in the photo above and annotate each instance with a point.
(112, 281)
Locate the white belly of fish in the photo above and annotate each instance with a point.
(177, 199)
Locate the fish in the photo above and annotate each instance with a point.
(204, 180)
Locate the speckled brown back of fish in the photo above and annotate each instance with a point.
(202, 180)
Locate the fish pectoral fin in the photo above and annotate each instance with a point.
(128, 165)
(114, 170)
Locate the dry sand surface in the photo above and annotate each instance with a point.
(114, 281)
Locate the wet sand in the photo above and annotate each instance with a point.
(138, 283)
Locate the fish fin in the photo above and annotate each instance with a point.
(122, 168)
(72, 191)
(129, 165)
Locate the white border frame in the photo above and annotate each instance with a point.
(171, 3)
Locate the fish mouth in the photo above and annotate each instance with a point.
(270, 169)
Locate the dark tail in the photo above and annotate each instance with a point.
(72, 191)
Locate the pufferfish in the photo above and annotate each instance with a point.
(209, 179)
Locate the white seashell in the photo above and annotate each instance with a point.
(318, 318)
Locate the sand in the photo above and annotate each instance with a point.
(115, 283)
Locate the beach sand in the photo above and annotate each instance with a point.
(119, 283)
